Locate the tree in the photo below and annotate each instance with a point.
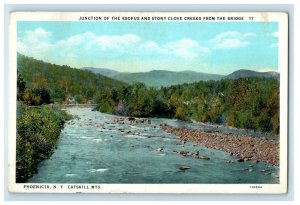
(140, 103)
(30, 99)
(21, 86)
(265, 124)
(43, 94)
(181, 113)
(216, 110)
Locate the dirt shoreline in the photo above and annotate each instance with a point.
(243, 147)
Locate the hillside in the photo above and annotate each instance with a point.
(102, 71)
(63, 81)
(159, 78)
(250, 73)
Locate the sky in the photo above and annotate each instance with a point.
(210, 47)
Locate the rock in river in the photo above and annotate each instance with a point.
(202, 157)
(183, 168)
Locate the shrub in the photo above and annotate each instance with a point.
(181, 113)
(38, 133)
(244, 120)
(80, 99)
(275, 124)
(43, 94)
(265, 124)
(24, 160)
(230, 120)
(106, 107)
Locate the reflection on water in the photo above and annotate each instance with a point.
(98, 148)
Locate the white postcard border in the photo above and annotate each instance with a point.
(280, 17)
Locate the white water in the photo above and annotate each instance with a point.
(93, 148)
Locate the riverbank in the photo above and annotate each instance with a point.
(245, 148)
(38, 129)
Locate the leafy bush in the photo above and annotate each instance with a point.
(79, 99)
(265, 124)
(36, 96)
(43, 94)
(275, 124)
(231, 119)
(181, 113)
(38, 133)
(107, 107)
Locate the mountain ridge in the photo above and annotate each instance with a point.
(242, 73)
(159, 78)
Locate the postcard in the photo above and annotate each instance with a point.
(148, 102)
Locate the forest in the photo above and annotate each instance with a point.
(250, 103)
(62, 82)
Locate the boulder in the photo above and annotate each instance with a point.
(159, 149)
(183, 153)
(131, 118)
(203, 157)
(183, 168)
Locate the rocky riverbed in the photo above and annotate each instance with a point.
(245, 148)
(96, 147)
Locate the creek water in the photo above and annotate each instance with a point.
(99, 148)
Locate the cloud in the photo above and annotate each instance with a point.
(104, 42)
(38, 34)
(115, 41)
(35, 42)
(263, 70)
(150, 46)
(230, 40)
(39, 44)
(184, 48)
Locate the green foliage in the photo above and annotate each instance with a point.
(265, 124)
(79, 99)
(107, 107)
(62, 81)
(250, 103)
(216, 110)
(21, 86)
(43, 95)
(244, 120)
(24, 160)
(275, 123)
(141, 104)
(35, 96)
(38, 133)
(181, 113)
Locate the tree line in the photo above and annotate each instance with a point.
(251, 103)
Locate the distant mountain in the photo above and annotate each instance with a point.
(159, 78)
(250, 73)
(102, 71)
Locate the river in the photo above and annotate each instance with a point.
(99, 148)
